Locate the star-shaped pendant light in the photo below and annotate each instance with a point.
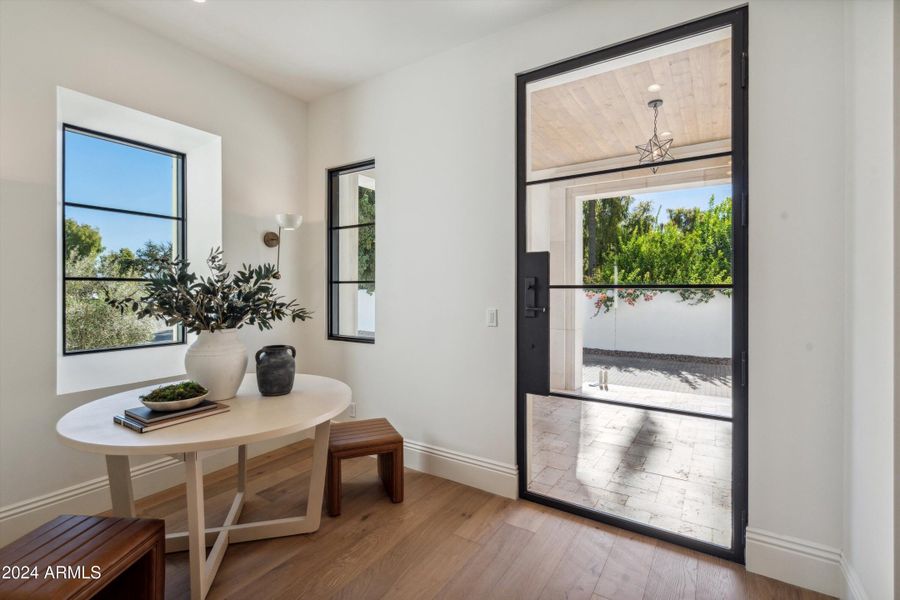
(654, 151)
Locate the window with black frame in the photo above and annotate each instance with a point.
(123, 205)
(351, 252)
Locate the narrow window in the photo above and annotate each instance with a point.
(123, 205)
(351, 252)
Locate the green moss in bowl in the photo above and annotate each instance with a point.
(177, 391)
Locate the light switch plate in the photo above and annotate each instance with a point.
(492, 317)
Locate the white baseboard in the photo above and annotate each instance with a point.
(799, 562)
(853, 588)
(485, 474)
(92, 496)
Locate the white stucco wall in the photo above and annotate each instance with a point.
(870, 345)
(365, 311)
(664, 325)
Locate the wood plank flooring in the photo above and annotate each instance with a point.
(446, 540)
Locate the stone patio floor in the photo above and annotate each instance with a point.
(667, 471)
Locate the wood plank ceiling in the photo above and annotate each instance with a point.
(603, 116)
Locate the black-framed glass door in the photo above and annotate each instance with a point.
(632, 284)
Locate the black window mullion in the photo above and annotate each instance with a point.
(126, 279)
(124, 211)
(640, 286)
(638, 167)
(643, 406)
(356, 226)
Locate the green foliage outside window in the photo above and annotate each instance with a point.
(366, 250)
(625, 243)
(91, 323)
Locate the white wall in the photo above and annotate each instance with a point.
(796, 281)
(70, 44)
(870, 164)
(365, 306)
(896, 304)
(664, 325)
(447, 251)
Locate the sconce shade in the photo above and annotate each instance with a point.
(289, 221)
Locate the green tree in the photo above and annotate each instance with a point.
(602, 221)
(693, 246)
(366, 247)
(82, 239)
(91, 323)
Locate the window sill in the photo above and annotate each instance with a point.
(96, 370)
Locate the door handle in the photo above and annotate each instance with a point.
(531, 310)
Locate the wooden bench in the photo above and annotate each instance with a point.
(364, 438)
(77, 557)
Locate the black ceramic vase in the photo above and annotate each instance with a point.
(275, 368)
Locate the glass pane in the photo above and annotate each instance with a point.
(92, 324)
(671, 227)
(356, 253)
(356, 198)
(669, 348)
(592, 119)
(667, 471)
(353, 314)
(109, 244)
(101, 172)
(545, 214)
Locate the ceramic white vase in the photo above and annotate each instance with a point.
(217, 361)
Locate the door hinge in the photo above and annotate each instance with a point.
(745, 211)
(744, 368)
(744, 60)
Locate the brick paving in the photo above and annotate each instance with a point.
(695, 385)
(660, 469)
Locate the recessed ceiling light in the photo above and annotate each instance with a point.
(666, 134)
(200, 1)
(654, 87)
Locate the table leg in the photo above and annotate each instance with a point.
(198, 536)
(317, 478)
(242, 469)
(196, 525)
(120, 490)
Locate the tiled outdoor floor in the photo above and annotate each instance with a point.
(663, 470)
(697, 386)
(706, 378)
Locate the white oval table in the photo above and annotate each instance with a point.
(313, 402)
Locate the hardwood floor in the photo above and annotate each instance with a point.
(446, 540)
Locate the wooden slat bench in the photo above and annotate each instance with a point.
(77, 557)
(364, 438)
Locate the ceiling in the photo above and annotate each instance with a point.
(602, 115)
(310, 48)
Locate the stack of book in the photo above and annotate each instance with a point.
(142, 419)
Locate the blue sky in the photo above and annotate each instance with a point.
(685, 198)
(104, 173)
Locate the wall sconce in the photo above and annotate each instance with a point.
(286, 222)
